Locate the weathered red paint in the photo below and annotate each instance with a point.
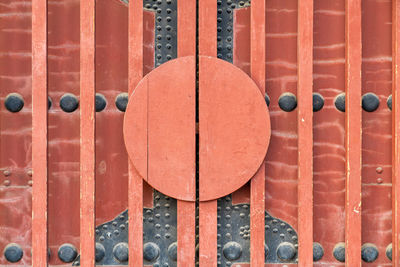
(87, 127)
(257, 193)
(135, 182)
(353, 133)
(305, 133)
(111, 165)
(39, 133)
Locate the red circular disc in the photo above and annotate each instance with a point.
(160, 128)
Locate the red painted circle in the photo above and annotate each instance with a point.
(159, 128)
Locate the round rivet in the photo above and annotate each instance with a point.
(286, 251)
(7, 173)
(318, 102)
(101, 102)
(150, 251)
(49, 102)
(287, 102)
(340, 102)
(267, 99)
(369, 252)
(7, 182)
(379, 170)
(370, 102)
(266, 251)
(69, 103)
(67, 253)
(13, 252)
(318, 251)
(389, 102)
(173, 251)
(121, 252)
(339, 252)
(122, 101)
(14, 102)
(100, 252)
(232, 251)
(389, 251)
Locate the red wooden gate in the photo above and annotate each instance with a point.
(214, 132)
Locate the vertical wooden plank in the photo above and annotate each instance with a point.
(186, 219)
(207, 210)
(305, 131)
(39, 132)
(87, 127)
(353, 133)
(395, 134)
(135, 192)
(257, 187)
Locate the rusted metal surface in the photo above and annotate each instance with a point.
(282, 76)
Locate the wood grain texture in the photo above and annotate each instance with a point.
(305, 131)
(186, 218)
(135, 182)
(257, 186)
(353, 133)
(87, 130)
(39, 133)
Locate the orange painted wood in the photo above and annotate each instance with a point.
(207, 210)
(353, 133)
(257, 186)
(208, 234)
(186, 233)
(305, 132)
(395, 134)
(186, 217)
(39, 133)
(186, 28)
(135, 182)
(208, 28)
(234, 128)
(87, 132)
(171, 142)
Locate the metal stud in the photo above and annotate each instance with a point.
(151, 251)
(389, 102)
(340, 102)
(69, 103)
(67, 253)
(286, 251)
(173, 251)
(232, 251)
(101, 102)
(14, 102)
(339, 252)
(121, 252)
(369, 252)
(389, 251)
(287, 102)
(121, 101)
(318, 251)
(370, 102)
(100, 252)
(318, 102)
(13, 252)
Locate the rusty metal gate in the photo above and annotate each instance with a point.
(205, 133)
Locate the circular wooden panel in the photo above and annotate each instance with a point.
(160, 128)
(234, 128)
